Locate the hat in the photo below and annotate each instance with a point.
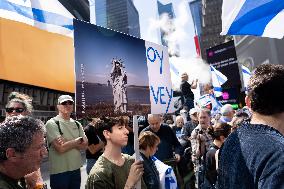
(64, 98)
(193, 111)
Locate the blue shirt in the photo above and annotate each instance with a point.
(252, 157)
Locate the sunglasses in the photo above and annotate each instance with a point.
(68, 102)
(17, 110)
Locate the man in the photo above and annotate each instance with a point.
(22, 148)
(190, 125)
(227, 113)
(187, 94)
(253, 155)
(200, 143)
(179, 130)
(114, 169)
(169, 142)
(65, 138)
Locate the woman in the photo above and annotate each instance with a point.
(148, 145)
(219, 133)
(21, 104)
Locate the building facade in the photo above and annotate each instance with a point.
(119, 15)
(211, 25)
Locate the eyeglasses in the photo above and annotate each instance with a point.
(17, 110)
(68, 102)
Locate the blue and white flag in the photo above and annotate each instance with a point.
(166, 174)
(49, 15)
(218, 79)
(246, 76)
(253, 17)
(207, 99)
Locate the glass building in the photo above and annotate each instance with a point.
(168, 9)
(119, 15)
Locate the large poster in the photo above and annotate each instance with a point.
(223, 57)
(112, 73)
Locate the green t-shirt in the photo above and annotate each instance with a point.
(8, 183)
(107, 175)
(70, 160)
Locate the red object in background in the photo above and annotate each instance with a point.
(197, 47)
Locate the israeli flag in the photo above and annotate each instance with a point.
(207, 99)
(166, 174)
(49, 15)
(218, 79)
(253, 17)
(246, 76)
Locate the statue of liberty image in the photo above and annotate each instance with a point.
(119, 80)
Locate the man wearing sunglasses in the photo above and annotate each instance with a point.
(65, 138)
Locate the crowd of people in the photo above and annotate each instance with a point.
(235, 149)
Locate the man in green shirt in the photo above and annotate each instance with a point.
(65, 138)
(114, 169)
(22, 147)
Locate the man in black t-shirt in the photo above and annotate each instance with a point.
(187, 94)
(95, 145)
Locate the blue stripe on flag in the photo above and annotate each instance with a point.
(254, 16)
(38, 15)
(246, 72)
(218, 89)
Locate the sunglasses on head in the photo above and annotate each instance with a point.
(17, 110)
(68, 102)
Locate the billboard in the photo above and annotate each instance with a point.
(223, 57)
(36, 57)
(119, 74)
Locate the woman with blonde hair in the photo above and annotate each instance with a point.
(148, 145)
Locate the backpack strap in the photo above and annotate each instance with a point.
(58, 125)
(78, 124)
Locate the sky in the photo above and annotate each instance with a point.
(150, 25)
(183, 36)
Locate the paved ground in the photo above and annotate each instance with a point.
(45, 173)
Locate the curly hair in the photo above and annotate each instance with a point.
(23, 99)
(17, 132)
(266, 89)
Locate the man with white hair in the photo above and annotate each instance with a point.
(227, 113)
(169, 142)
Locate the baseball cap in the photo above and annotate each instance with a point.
(64, 98)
